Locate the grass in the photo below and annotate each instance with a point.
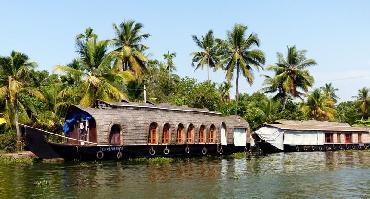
(8, 160)
(239, 155)
(157, 160)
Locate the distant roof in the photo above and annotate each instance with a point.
(313, 125)
(163, 106)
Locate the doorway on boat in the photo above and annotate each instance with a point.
(166, 136)
(153, 133)
(190, 134)
(240, 137)
(223, 134)
(180, 138)
(115, 135)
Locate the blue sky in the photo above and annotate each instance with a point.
(335, 33)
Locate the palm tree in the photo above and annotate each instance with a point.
(170, 66)
(238, 56)
(318, 106)
(129, 49)
(15, 72)
(224, 90)
(207, 56)
(291, 74)
(363, 102)
(274, 86)
(329, 91)
(94, 70)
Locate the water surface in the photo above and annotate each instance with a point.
(282, 175)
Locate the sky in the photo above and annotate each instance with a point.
(336, 33)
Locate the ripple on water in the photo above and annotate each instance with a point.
(305, 174)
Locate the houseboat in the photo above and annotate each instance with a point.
(113, 131)
(291, 136)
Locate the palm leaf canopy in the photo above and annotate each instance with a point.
(95, 68)
(207, 56)
(128, 46)
(237, 51)
(291, 73)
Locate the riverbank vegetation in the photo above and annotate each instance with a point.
(118, 68)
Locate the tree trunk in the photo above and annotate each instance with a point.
(208, 72)
(284, 102)
(237, 83)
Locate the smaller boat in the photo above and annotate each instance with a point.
(114, 131)
(296, 136)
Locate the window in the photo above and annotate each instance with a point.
(348, 138)
(153, 128)
(180, 138)
(329, 138)
(202, 134)
(212, 134)
(166, 137)
(360, 138)
(114, 135)
(190, 134)
(338, 138)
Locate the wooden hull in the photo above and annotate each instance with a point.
(36, 142)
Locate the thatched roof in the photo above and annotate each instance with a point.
(313, 125)
(148, 106)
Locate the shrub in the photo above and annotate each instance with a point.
(8, 141)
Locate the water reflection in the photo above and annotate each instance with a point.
(311, 174)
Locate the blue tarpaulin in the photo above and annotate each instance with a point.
(72, 118)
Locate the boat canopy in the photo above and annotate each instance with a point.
(75, 114)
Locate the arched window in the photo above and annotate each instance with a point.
(180, 138)
(153, 128)
(212, 134)
(114, 135)
(166, 137)
(202, 134)
(190, 134)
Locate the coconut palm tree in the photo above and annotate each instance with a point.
(207, 56)
(363, 102)
(274, 86)
(129, 47)
(238, 56)
(15, 71)
(169, 65)
(224, 90)
(94, 70)
(318, 106)
(329, 91)
(291, 74)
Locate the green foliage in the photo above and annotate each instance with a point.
(8, 141)
(239, 155)
(347, 112)
(9, 160)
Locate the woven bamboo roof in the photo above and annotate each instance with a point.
(313, 125)
(163, 106)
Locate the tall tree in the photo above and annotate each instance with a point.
(207, 56)
(224, 90)
(238, 56)
(291, 74)
(329, 91)
(15, 71)
(363, 102)
(169, 64)
(129, 47)
(318, 106)
(94, 68)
